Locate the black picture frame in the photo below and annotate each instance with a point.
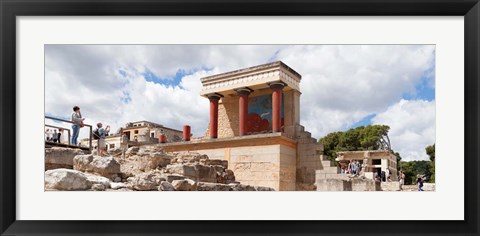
(470, 9)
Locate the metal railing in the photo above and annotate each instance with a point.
(67, 121)
(61, 128)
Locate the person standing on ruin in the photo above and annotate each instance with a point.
(387, 173)
(77, 124)
(102, 133)
(350, 167)
(54, 137)
(401, 179)
(59, 135)
(124, 144)
(420, 181)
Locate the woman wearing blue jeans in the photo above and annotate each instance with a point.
(77, 120)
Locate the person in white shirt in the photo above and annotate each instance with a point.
(387, 174)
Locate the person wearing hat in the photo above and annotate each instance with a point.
(102, 133)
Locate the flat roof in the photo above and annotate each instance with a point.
(356, 152)
(250, 69)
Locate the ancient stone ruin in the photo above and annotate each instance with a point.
(146, 168)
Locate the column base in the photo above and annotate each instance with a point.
(213, 137)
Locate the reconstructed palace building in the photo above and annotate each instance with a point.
(255, 125)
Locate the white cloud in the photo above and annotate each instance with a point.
(349, 82)
(412, 127)
(340, 84)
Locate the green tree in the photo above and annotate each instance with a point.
(412, 168)
(371, 137)
(430, 150)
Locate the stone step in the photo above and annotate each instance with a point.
(304, 135)
(319, 176)
(327, 164)
(300, 128)
(330, 170)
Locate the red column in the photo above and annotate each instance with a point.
(243, 109)
(163, 138)
(277, 106)
(186, 133)
(214, 115)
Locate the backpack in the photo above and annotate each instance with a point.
(96, 134)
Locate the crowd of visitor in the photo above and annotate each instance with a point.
(56, 136)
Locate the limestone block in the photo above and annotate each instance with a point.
(239, 167)
(184, 185)
(223, 163)
(98, 187)
(359, 184)
(58, 157)
(118, 185)
(202, 186)
(144, 182)
(104, 166)
(166, 186)
(263, 166)
(132, 151)
(429, 186)
(333, 185)
(242, 187)
(95, 179)
(181, 169)
(196, 172)
(171, 177)
(390, 186)
(260, 188)
(205, 173)
(264, 183)
(330, 170)
(66, 179)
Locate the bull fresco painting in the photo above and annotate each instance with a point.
(260, 114)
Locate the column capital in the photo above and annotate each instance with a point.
(214, 96)
(276, 85)
(243, 91)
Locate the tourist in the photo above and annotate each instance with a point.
(377, 177)
(124, 144)
(54, 137)
(77, 124)
(359, 167)
(350, 167)
(102, 133)
(59, 135)
(420, 181)
(401, 179)
(47, 135)
(355, 165)
(382, 176)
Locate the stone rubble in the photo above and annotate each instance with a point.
(103, 166)
(59, 157)
(145, 168)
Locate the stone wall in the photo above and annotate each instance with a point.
(269, 165)
(309, 159)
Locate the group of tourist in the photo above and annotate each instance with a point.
(52, 135)
(383, 176)
(353, 168)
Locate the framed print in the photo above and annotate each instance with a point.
(265, 117)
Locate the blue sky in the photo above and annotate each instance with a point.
(343, 86)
